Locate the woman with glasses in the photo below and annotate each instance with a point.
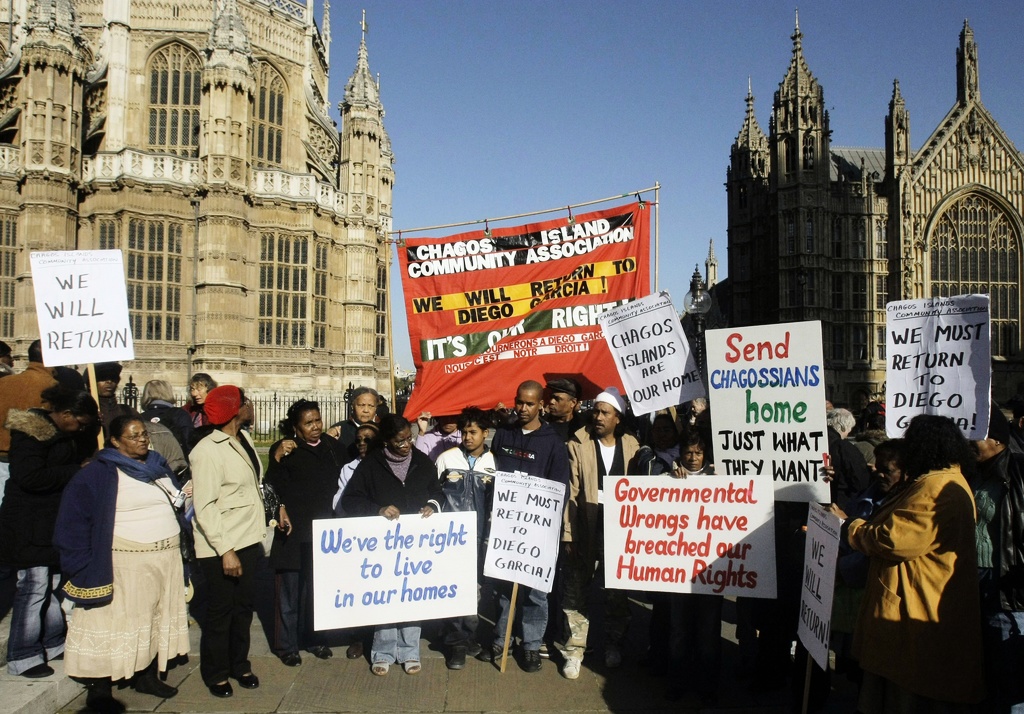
(118, 534)
(304, 473)
(394, 481)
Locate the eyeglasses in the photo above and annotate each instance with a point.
(144, 436)
(401, 442)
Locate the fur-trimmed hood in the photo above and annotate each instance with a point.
(32, 422)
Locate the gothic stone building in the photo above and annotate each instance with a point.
(822, 232)
(194, 136)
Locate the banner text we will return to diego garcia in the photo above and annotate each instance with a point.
(524, 297)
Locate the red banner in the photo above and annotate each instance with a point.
(490, 309)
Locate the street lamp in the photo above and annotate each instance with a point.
(697, 304)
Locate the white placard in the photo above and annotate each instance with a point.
(526, 522)
(767, 386)
(81, 307)
(701, 534)
(820, 554)
(939, 362)
(654, 360)
(371, 571)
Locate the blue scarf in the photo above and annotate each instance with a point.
(154, 467)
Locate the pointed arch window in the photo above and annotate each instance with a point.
(809, 151)
(975, 248)
(268, 117)
(789, 147)
(174, 94)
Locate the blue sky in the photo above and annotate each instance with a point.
(501, 108)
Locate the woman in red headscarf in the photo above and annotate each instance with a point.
(230, 528)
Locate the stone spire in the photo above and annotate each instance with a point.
(326, 32)
(897, 129)
(967, 67)
(751, 134)
(711, 266)
(361, 90)
(228, 33)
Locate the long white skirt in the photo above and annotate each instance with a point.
(145, 620)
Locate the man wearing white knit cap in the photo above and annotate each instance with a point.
(596, 453)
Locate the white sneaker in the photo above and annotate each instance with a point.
(612, 656)
(571, 668)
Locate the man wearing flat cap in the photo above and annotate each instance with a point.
(563, 402)
(108, 376)
(596, 453)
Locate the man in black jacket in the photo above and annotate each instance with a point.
(528, 446)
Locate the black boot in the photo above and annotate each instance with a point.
(100, 697)
(147, 682)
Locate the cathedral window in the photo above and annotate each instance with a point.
(881, 247)
(880, 342)
(881, 291)
(789, 148)
(838, 342)
(174, 96)
(268, 117)
(8, 272)
(284, 290)
(859, 292)
(790, 235)
(859, 342)
(320, 297)
(107, 230)
(741, 195)
(975, 248)
(859, 249)
(381, 348)
(809, 235)
(838, 292)
(153, 256)
(837, 238)
(809, 151)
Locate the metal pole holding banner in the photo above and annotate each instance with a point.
(508, 627)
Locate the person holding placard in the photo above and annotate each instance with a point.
(597, 452)
(304, 473)
(467, 479)
(917, 637)
(531, 447)
(108, 376)
(393, 481)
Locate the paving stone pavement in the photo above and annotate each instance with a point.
(340, 685)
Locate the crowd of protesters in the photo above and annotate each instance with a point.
(132, 522)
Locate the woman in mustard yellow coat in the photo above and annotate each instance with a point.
(917, 637)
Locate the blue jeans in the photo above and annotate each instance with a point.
(534, 620)
(395, 643)
(37, 622)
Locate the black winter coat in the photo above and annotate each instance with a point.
(374, 486)
(43, 460)
(305, 481)
(1008, 467)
